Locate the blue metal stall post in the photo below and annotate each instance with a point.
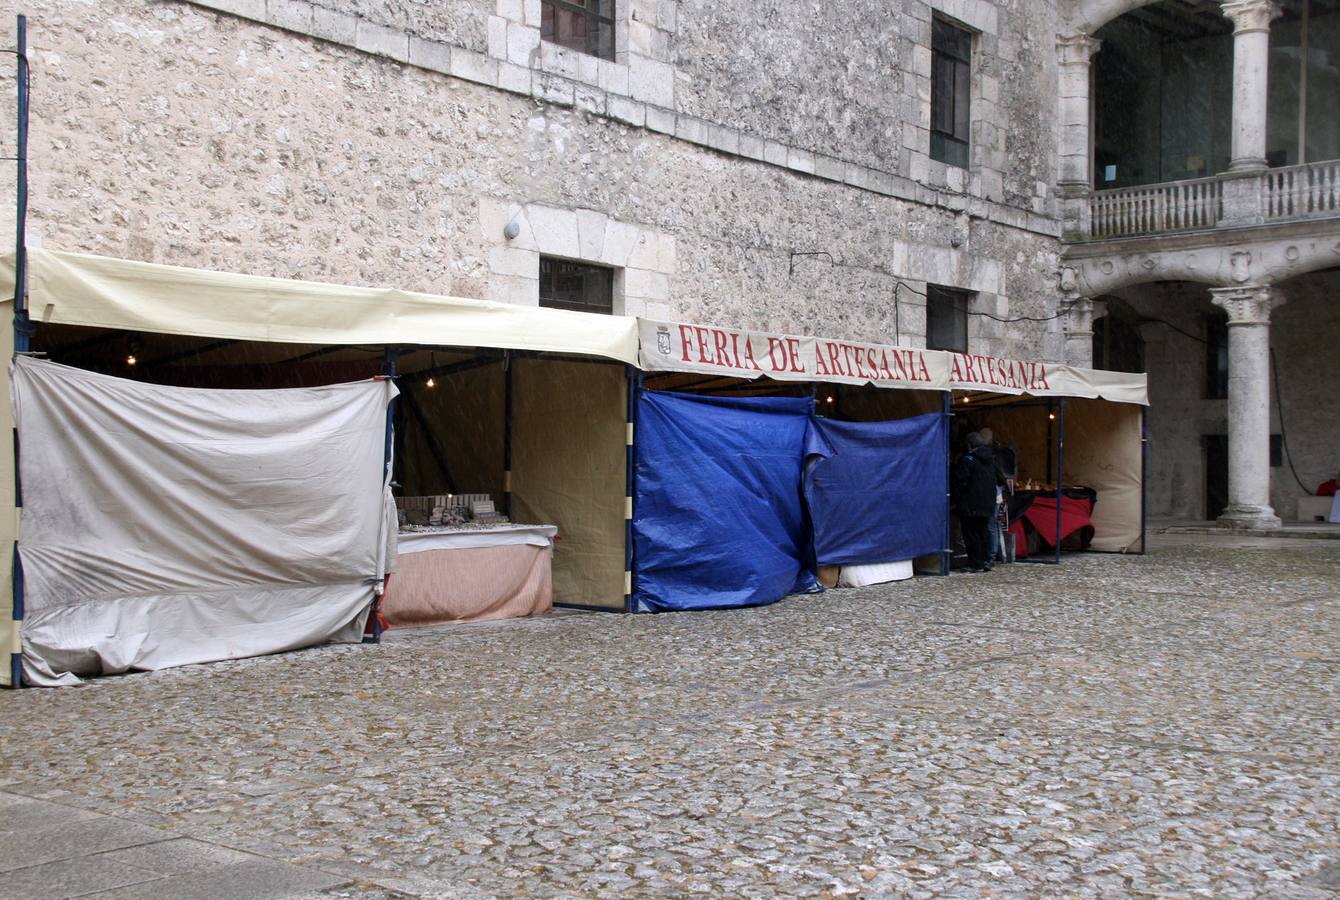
(947, 554)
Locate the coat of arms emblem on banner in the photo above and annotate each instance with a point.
(663, 340)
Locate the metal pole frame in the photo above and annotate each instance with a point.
(388, 464)
(507, 434)
(1060, 476)
(22, 327)
(634, 390)
(1144, 465)
(947, 554)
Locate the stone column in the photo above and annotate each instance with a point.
(1251, 56)
(1248, 308)
(1076, 177)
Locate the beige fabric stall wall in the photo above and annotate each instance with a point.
(9, 516)
(1103, 451)
(568, 469)
(465, 412)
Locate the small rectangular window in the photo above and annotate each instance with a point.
(947, 318)
(951, 89)
(586, 26)
(576, 286)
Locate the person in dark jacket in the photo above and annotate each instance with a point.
(974, 495)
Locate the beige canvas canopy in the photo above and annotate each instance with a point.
(79, 289)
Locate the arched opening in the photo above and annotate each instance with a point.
(1163, 91)
(1183, 341)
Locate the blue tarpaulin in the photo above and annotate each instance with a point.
(876, 490)
(719, 519)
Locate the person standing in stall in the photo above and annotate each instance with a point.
(974, 498)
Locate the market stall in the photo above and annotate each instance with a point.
(875, 492)
(719, 519)
(541, 441)
(212, 333)
(166, 525)
(1074, 446)
(893, 481)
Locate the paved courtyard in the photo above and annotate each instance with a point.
(1112, 727)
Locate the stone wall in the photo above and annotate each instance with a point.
(175, 133)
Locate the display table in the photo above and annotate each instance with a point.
(1033, 515)
(470, 574)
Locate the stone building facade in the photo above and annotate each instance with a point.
(390, 144)
(753, 164)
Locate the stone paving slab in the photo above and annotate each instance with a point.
(71, 878)
(56, 841)
(1115, 726)
(259, 880)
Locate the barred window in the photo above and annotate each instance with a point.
(951, 87)
(586, 26)
(565, 284)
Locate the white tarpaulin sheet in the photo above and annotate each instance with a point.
(164, 526)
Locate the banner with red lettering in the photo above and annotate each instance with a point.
(975, 372)
(732, 352)
(750, 354)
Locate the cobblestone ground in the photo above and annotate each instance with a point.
(1112, 727)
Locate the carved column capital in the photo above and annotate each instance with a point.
(1250, 15)
(1248, 304)
(1077, 49)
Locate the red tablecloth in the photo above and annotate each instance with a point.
(1041, 515)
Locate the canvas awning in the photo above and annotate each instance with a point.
(733, 352)
(99, 291)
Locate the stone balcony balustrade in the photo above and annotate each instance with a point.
(1285, 194)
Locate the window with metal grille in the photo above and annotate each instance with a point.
(586, 26)
(947, 318)
(576, 286)
(951, 87)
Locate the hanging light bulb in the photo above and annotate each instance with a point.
(131, 360)
(1052, 416)
(830, 398)
(430, 382)
(432, 364)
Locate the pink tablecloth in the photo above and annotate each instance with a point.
(469, 585)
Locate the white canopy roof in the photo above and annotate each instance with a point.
(99, 291)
